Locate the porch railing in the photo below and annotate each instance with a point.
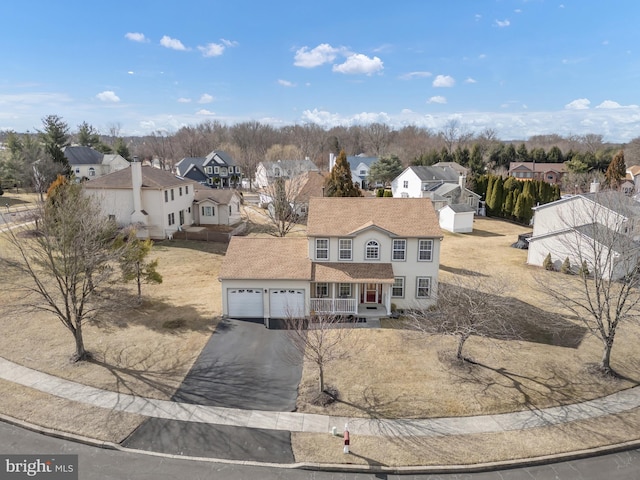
(334, 305)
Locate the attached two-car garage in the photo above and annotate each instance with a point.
(249, 303)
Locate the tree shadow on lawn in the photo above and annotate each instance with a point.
(373, 406)
(461, 271)
(156, 315)
(484, 233)
(217, 248)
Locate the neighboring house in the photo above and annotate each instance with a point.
(156, 201)
(216, 170)
(633, 175)
(360, 167)
(87, 163)
(361, 255)
(267, 172)
(212, 206)
(457, 218)
(455, 166)
(300, 188)
(446, 187)
(547, 172)
(580, 227)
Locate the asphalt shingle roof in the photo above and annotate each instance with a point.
(404, 217)
(152, 178)
(79, 155)
(257, 258)
(353, 272)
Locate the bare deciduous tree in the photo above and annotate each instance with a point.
(66, 268)
(283, 207)
(596, 233)
(468, 306)
(322, 340)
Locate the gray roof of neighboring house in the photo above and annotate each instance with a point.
(616, 201)
(461, 208)
(220, 158)
(426, 174)
(152, 178)
(79, 155)
(608, 237)
(356, 160)
(218, 195)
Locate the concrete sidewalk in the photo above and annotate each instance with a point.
(312, 423)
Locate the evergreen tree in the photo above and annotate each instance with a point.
(555, 155)
(385, 169)
(566, 266)
(55, 136)
(494, 203)
(87, 135)
(617, 170)
(522, 155)
(339, 183)
(133, 264)
(507, 210)
(547, 263)
(462, 156)
(122, 149)
(476, 164)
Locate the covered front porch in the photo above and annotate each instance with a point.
(359, 289)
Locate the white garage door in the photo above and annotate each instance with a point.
(286, 303)
(245, 302)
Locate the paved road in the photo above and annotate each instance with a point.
(100, 464)
(244, 365)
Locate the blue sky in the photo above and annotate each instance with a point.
(520, 67)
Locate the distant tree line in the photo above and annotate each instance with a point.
(252, 142)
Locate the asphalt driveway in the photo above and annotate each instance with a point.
(244, 365)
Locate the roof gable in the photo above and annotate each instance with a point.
(404, 217)
(152, 178)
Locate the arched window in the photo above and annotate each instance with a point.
(372, 251)
(92, 172)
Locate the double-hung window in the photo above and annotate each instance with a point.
(405, 184)
(166, 196)
(172, 195)
(344, 290)
(399, 249)
(425, 250)
(423, 287)
(372, 250)
(322, 290)
(208, 211)
(345, 248)
(322, 249)
(397, 289)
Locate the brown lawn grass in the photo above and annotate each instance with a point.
(138, 351)
(399, 373)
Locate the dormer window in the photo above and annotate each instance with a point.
(372, 250)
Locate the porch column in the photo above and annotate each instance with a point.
(357, 297)
(387, 303)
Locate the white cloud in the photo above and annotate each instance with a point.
(578, 104)
(172, 43)
(470, 80)
(131, 72)
(477, 16)
(610, 104)
(412, 75)
(184, 100)
(482, 56)
(229, 43)
(286, 83)
(503, 23)
(437, 99)
(323, 53)
(211, 49)
(206, 98)
(518, 10)
(359, 63)
(444, 81)
(136, 37)
(108, 96)
(205, 112)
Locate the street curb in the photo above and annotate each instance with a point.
(339, 467)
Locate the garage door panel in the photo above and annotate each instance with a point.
(286, 303)
(245, 302)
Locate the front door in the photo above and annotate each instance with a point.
(371, 293)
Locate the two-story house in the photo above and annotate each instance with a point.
(361, 255)
(268, 171)
(87, 163)
(547, 172)
(599, 228)
(446, 187)
(217, 170)
(157, 202)
(360, 166)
